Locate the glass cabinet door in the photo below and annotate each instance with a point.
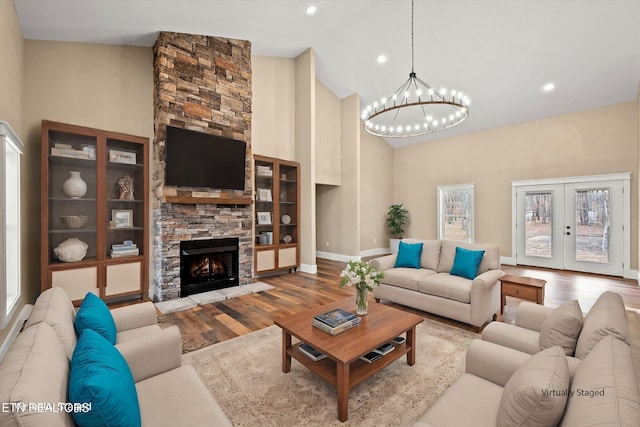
(125, 199)
(264, 175)
(71, 196)
(288, 201)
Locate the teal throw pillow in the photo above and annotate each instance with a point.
(94, 314)
(409, 255)
(466, 263)
(101, 383)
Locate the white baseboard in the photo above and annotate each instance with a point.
(309, 268)
(507, 260)
(15, 329)
(375, 252)
(337, 257)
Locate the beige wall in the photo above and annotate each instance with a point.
(273, 107)
(305, 131)
(327, 136)
(592, 142)
(376, 190)
(11, 109)
(100, 86)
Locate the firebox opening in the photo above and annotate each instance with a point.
(207, 265)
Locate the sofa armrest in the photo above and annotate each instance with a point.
(488, 278)
(532, 316)
(384, 263)
(153, 354)
(493, 362)
(134, 316)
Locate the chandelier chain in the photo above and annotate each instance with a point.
(412, 55)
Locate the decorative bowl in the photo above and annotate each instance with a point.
(71, 250)
(74, 221)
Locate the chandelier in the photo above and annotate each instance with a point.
(415, 108)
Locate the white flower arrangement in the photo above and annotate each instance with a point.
(362, 274)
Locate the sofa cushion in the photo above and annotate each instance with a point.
(54, 307)
(606, 317)
(409, 255)
(466, 263)
(515, 337)
(35, 370)
(490, 260)
(188, 405)
(604, 389)
(536, 394)
(562, 327)
(101, 376)
(94, 314)
(430, 256)
(446, 286)
(470, 401)
(407, 278)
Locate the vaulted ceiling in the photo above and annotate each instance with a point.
(499, 52)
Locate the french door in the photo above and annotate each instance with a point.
(575, 225)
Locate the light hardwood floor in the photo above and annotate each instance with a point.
(298, 291)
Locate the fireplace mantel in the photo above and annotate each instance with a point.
(190, 200)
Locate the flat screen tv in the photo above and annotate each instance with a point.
(198, 159)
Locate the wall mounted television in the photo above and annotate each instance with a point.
(198, 159)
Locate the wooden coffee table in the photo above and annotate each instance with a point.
(342, 367)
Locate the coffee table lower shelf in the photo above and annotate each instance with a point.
(359, 370)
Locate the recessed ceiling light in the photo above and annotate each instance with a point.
(548, 87)
(310, 10)
(382, 59)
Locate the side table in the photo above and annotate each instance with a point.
(526, 288)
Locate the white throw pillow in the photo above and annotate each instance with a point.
(562, 327)
(536, 394)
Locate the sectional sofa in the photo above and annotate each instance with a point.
(36, 369)
(429, 285)
(544, 386)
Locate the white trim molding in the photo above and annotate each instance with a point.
(309, 268)
(23, 315)
(337, 257)
(375, 252)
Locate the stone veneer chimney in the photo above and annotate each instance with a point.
(201, 83)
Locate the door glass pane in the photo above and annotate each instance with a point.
(539, 224)
(592, 225)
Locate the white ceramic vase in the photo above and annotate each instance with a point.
(74, 186)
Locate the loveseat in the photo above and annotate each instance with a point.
(503, 386)
(35, 372)
(429, 286)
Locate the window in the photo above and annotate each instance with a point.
(10, 151)
(455, 212)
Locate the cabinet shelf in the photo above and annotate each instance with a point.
(110, 278)
(283, 188)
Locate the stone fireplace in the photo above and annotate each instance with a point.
(208, 264)
(201, 83)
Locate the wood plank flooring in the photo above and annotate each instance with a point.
(298, 291)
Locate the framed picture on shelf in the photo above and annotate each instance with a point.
(264, 195)
(264, 218)
(121, 218)
(121, 156)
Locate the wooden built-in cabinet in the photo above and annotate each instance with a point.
(114, 167)
(277, 211)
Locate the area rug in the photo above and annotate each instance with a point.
(245, 376)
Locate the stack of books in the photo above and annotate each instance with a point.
(336, 321)
(124, 249)
(67, 150)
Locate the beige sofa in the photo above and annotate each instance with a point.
(36, 369)
(432, 289)
(502, 386)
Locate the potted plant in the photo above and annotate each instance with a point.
(396, 219)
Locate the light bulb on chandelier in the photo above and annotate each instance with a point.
(409, 112)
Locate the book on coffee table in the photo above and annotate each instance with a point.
(338, 329)
(371, 357)
(311, 352)
(335, 318)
